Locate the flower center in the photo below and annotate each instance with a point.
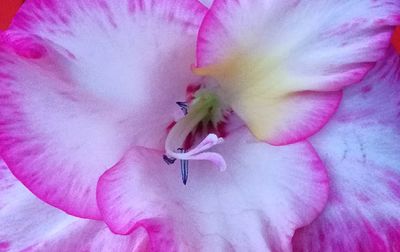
(204, 112)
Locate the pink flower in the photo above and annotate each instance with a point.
(90, 125)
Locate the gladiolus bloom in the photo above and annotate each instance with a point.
(106, 106)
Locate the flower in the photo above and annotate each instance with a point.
(362, 212)
(88, 109)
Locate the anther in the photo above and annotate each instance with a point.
(183, 106)
(169, 160)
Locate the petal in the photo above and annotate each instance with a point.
(292, 118)
(123, 52)
(361, 146)
(267, 50)
(94, 237)
(265, 193)
(82, 81)
(28, 224)
(135, 54)
(46, 129)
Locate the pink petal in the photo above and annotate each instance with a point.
(256, 204)
(361, 147)
(82, 81)
(298, 115)
(28, 224)
(271, 49)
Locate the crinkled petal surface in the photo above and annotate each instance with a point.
(262, 52)
(361, 146)
(256, 204)
(81, 81)
(28, 224)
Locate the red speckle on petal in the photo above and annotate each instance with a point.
(396, 39)
(366, 89)
(169, 127)
(221, 129)
(191, 90)
(25, 47)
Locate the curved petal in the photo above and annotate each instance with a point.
(271, 49)
(265, 193)
(361, 146)
(291, 118)
(82, 81)
(28, 224)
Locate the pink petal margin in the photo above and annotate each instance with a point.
(265, 194)
(317, 46)
(361, 146)
(30, 225)
(78, 83)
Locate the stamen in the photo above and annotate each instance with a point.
(169, 160)
(184, 163)
(184, 168)
(203, 110)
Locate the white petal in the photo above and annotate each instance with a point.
(361, 147)
(256, 204)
